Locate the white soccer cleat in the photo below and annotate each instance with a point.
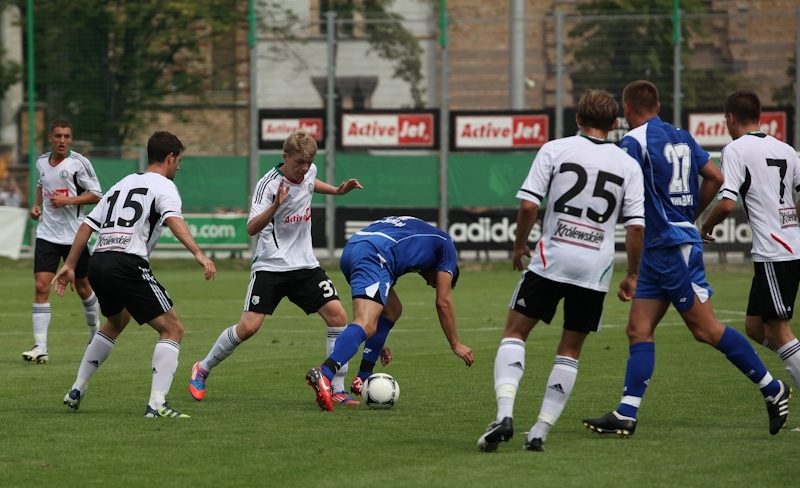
(36, 355)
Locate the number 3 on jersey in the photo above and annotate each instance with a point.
(328, 288)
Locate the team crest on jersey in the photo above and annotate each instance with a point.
(311, 188)
(255, 300)
(579, 234)
(64, 175)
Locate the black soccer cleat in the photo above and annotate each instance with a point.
(534, 445)
(778, 408)
(497, 432)
(611, 423)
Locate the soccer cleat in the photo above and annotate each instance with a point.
(73, 399)
(197, 385)
(533, 445)
(611, 423)
(165, 411)
(343, 398)
(36, 355)
(356, 386)
(778, 408)
(322, 388)
(496, 433)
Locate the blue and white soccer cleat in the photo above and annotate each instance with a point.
(73, 399)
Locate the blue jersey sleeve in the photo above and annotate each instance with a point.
(700, 155)
(631, 146)
(447, 258)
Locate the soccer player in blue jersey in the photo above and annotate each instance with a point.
(372, 261)
(671, 268)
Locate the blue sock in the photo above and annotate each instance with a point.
(374, 346)
(641, 363)
(345, 348)
(739, 351)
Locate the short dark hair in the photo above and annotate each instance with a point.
(161, 145)
(60, 123)
(744, 105)
(456, 274)
(641, 96)
(598, 109)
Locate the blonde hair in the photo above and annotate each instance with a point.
(300, 142)
(598, 109)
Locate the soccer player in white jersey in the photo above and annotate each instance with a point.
(130, 219)
(590, 184)
(66, 183)
(763, 171)
(671, 270)
(284, 264)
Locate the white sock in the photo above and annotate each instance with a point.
(338, 379)
(91, 310)
(509, 365)
(165, 362)
(790, 354)
(41, 321)
(96, 353)
(559, 387)
(227, 342)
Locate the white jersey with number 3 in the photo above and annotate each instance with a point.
(763, 171)
(588, 183)
(71, 177)
(285, 243)
(131, 216)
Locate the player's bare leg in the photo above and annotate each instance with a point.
(336, 320)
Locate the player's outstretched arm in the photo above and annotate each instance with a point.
(67, 273)
(447, 317)
(181, 232)
(718, 213)
(526, 218)
(634, 241)
(343, 189)
(712, 181)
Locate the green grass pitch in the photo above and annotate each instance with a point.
(701, 423)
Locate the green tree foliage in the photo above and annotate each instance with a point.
(10, 72)
(609, 53)
(388, 37)
(105, 64)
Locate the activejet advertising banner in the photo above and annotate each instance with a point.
(276, 125)
(711, 131)
(389, 130)
(496, 229)
(509, 131)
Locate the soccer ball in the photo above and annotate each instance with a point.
(380, 391)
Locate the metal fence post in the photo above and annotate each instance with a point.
(797, 79)
(516, 47)
(676, 63)
(444, 123)
(559, 74)
(330, 140)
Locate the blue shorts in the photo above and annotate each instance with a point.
(675, 274)
(366, 271)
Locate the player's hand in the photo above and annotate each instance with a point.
(36, 212)
(58, 201)
(211, 270)
(282, 193)
(386, 356)
(627, 288)
(348, 185)
(464, 353)
(516, 260)
(66, 275)
(705, 232)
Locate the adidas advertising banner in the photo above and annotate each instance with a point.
(496, 229)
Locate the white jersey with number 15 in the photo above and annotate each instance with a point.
(131, 216)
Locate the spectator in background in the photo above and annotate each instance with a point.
(11, 195)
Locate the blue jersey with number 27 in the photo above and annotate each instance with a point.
(671, 161)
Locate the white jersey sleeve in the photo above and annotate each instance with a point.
(72, 176)
(588, 182)
(762, 171)
(285, 243)
(130, 218)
